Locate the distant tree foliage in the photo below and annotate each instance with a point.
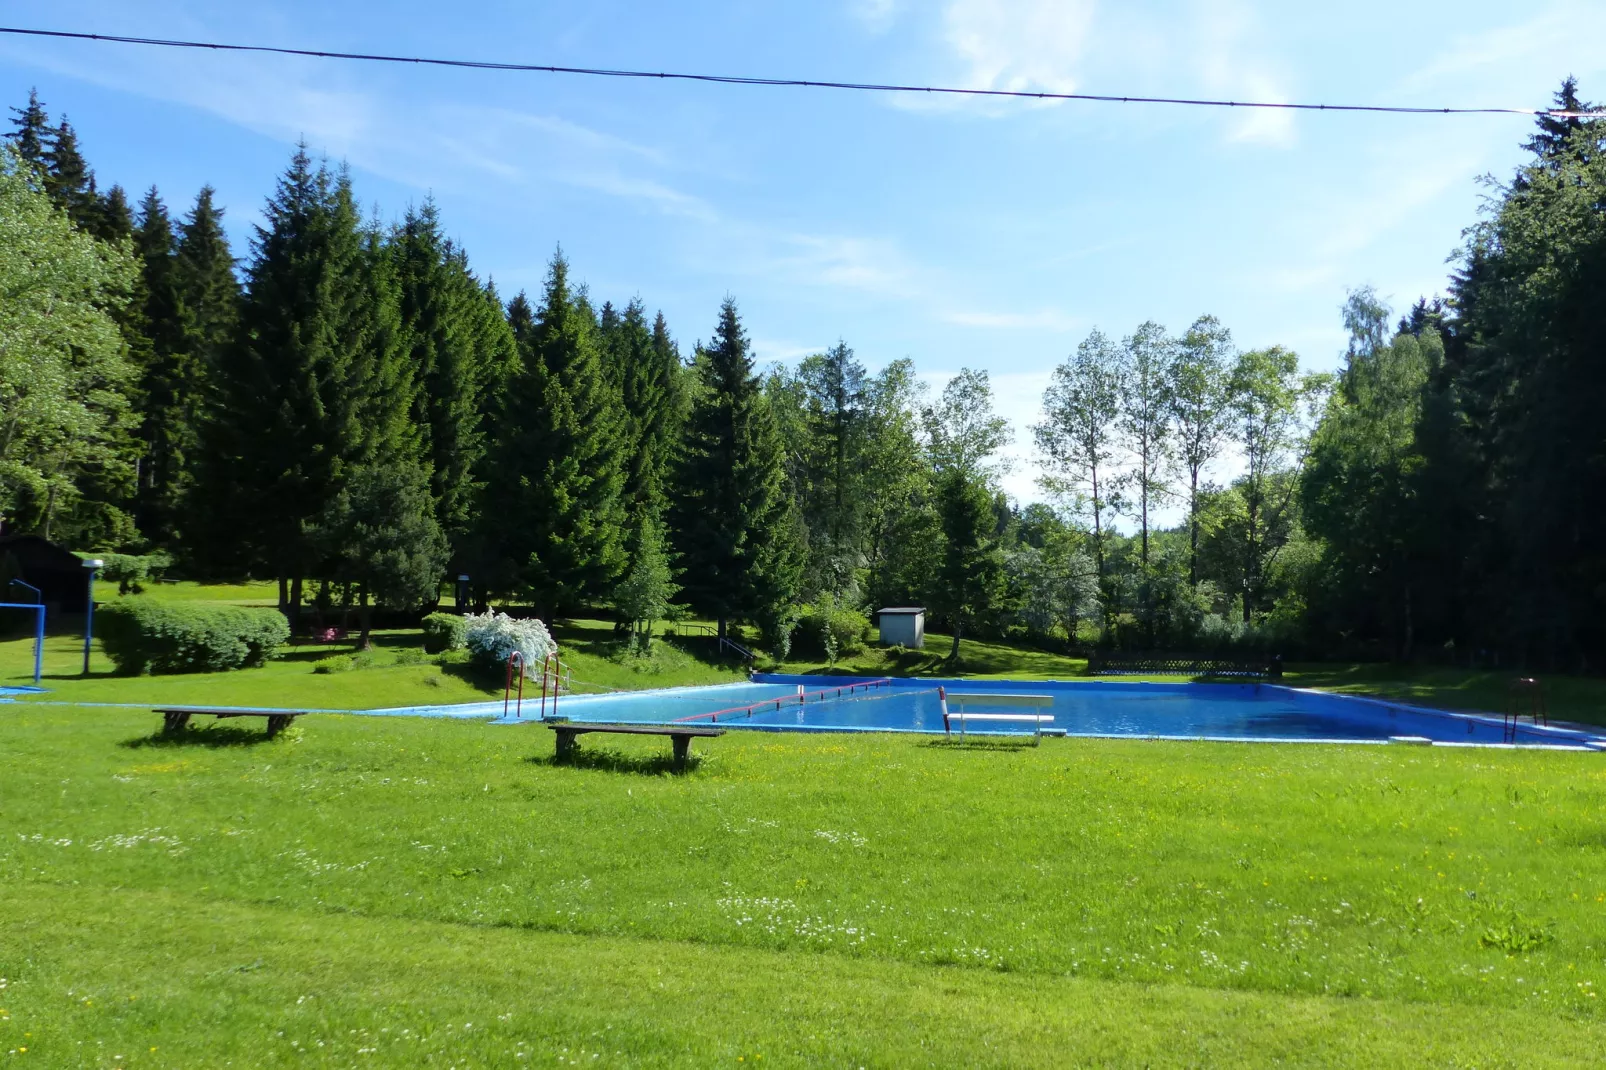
(65, 381)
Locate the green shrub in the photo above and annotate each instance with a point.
(828, 624)
(157, 637)
(444, 631)
(338, 663)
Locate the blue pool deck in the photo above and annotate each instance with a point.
(1221, 712)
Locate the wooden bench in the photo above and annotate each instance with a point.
(680, 735)
(175, 718)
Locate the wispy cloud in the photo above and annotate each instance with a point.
(1564, 35)
(781, 351)
(1019, 44)
(1210, 47)
(876, 15)
(1047, 319)
(875, 266)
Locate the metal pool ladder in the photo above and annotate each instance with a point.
(1525, 698)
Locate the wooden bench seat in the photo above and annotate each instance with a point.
(680, 735)
(175, 718)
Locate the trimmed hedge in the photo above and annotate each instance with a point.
(444, 631)
(156, 637)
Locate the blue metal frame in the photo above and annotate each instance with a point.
(38, 634)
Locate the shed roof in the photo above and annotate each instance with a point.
(902, 609)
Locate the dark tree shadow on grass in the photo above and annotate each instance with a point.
(209, 736)
(612, 761)
(978, 744)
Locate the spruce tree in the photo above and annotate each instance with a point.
(209, 294)
(379, 533)
(1554, 139)
(318, 384)
(209, 290)
(969, 577)
(649, 378)
(552, 507)
(457, 339)
(521, 319)
(68, 180)
(112, 220)
(736, 528)
(167, 425)
(31, 131)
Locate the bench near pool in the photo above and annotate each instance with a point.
(680, 735)
(175, 718)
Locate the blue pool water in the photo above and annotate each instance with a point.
(1187, 711)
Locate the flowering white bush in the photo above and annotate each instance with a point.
(492, 637)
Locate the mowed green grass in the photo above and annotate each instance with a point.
(399, 892)
(398, 676)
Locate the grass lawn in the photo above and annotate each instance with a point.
(399, 892)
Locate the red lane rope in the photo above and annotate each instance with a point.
(781, 702)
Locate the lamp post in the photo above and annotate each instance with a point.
(94, 565)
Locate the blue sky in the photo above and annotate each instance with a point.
(958, 233)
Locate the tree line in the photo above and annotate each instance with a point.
(350, 409)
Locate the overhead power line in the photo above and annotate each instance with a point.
(731, 79)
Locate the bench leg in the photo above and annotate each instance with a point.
(682, 747)
(566, 745)
(278, 722)
(174, 722)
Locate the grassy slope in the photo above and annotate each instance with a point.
(796, 897)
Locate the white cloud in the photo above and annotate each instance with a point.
(1563, 37)
(775, 350)
(1211, 48)
(876, 15)
(1048, 319)
(1019, 45)
(870, 265)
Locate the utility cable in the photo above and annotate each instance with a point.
(730, 79)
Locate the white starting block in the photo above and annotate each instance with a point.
(1008, 698)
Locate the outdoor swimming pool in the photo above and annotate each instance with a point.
(1245, 711)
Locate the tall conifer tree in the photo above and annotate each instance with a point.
(112, 220)
(69, 180)
(650, 386)
(30, 131)
(203, 269)
(167, 425)
(737, 529)
(458, 338)
(553, 507)
(318, 383)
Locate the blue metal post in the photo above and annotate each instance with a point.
(93, 565)
(38, 633)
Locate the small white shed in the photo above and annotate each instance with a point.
(903, 626)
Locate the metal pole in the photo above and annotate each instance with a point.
(38, 644)
(94, 565)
